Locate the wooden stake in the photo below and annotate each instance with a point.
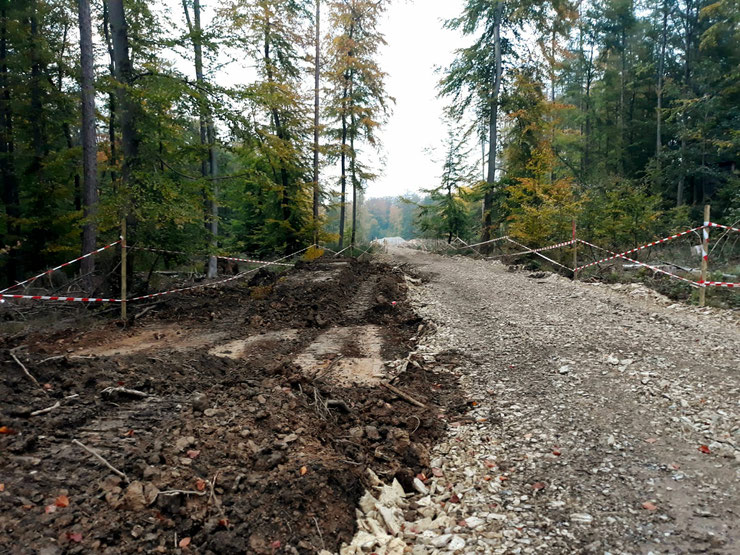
(704, 257)
(123, 269)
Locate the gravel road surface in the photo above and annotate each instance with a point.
(606, 420)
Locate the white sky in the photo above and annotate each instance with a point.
(417, 44)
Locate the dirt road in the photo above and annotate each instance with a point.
(605, 420)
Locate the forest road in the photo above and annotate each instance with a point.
(606, 417)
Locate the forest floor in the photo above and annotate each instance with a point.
(606, 419)
(557, 417)
(239, 420)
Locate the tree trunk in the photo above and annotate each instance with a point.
(587, 138)
(346, 105)
(209, 165)
(111, 96)
(493, 129)
(353, 170)
(127, 111)
(89, 142)
(659, 93)
(688, 25)
(126, 105)
(316, 123)
(622, 86)
(343, 178)
(7, 163)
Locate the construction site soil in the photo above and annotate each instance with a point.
(230, 420)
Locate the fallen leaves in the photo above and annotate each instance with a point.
(193, 453)
(454, 498)
(303, 470)
(2, 488)
(62, 501)
(556, 452)
(184, 543)
(704, 449)
(648, 506)
(74, 537)
(6, 430)
(538, 486)
(200, 484)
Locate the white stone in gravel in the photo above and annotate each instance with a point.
(456, 543)
(473, 521)
(441, 541)
(420, 487)
(392, 495)
(391, 523)
(583, 518)
(424, 501)
(367, 502)
(564, 369)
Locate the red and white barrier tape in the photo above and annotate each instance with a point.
(54, 298)
(538, 252)
(42, 274)
(344, 249)
(152, 249)
(151, 296)
(712, 224)
(252, 261)
(213, 284)
(621, 255)
(718, 284)
(534, 251)
(482, 243)
(690, 282)
(199, 286)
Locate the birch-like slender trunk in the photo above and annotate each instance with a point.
(316, 123)
(89, 142)
(209, 165)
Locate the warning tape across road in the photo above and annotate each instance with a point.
(250, 260)
(654, 268)
(712, 224)
(718, 284)
(54, 298)
(538, 252)
(534, 251)
(213, 284)
(142, 297)
(482, 243)
(621, 255)
(42, 274)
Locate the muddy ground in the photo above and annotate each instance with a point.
(238, 419)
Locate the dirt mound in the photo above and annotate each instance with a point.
(224, 439)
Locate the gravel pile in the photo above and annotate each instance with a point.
(605, 420)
